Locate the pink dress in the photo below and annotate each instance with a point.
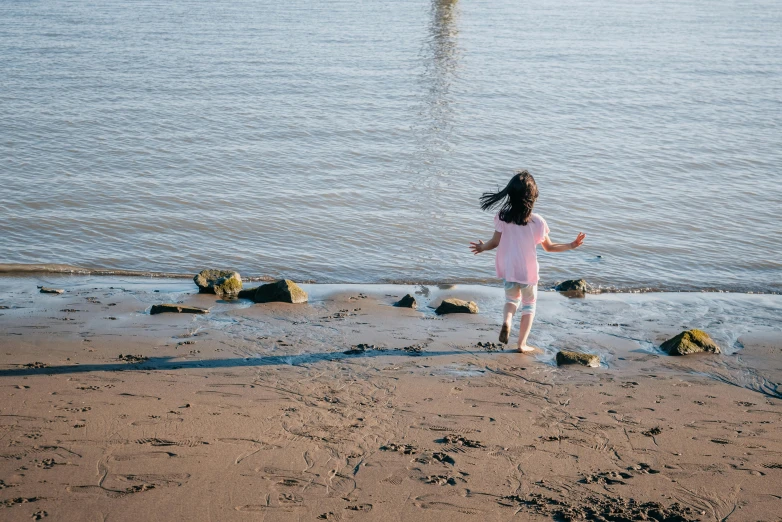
(517, 260)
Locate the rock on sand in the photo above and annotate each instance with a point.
(456, 306)
(177, 309)
(220, 282)
(284, 291)
(572, 285)
(584, 359)
(407, 301)
(690, 341)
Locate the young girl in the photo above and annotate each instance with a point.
(517, 231)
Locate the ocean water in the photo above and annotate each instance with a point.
(348, 142)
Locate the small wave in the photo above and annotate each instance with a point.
(17, 269)
(22, 269)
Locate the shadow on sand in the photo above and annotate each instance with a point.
(174, 363)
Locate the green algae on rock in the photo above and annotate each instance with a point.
(407, 301)
(456, 306)
(585, 359)
(46, 290)
(284, 291)
(690, 341)
(177, 309)
(220, 282)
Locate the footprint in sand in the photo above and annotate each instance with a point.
(283, 501)
(164, 442)
(435, 457)
(438, 505)
(396, 479)
(406, 449)
(110, 493)
(256, 445)
(140, 456)
(366, 508)
(215, 393)
(452, 430)
(171, 479)
(453, 439)
(49, 463)
(18, 500)
(440, 480)
(152, 422)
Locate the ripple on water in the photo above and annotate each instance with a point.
(348, 142)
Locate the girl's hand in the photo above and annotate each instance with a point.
(480, 246)
(579, 240)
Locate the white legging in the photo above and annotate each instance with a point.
(521, 294)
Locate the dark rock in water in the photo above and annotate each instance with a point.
(690, 341)
(456, 306)
(47, 290)
(572, 285)
(284, 290)
(220, 282)
(584, 359)
(247, 293)
(177, 309)
(407, 301)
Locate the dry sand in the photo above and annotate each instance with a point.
(255, 413)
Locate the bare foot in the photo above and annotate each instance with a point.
(526, 349)
(505, 333)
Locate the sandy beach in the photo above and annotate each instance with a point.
(255, 411)
(370, 151)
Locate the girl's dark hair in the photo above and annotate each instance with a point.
(517, 199)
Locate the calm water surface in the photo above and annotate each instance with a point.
(343, 141)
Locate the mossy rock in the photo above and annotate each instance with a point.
(573, 285)
(456, 306)
(176, 309)
(407, 301)
(584, 359)
(282, 291)
(690, 341)
(220, 282)
(47, 290)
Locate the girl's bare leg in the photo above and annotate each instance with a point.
(510, 309)
(524, 329)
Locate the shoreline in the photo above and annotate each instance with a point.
(256, 410)
(11, 270)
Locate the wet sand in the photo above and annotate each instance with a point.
(255, 411)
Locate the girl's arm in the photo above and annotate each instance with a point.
(548, 246)
(480, 246)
